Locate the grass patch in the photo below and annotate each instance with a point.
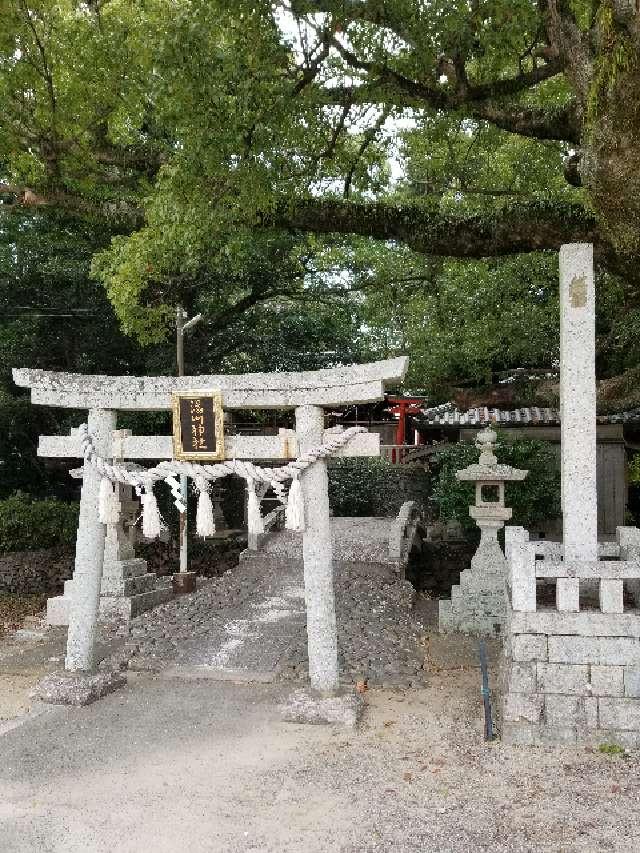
(611, 749)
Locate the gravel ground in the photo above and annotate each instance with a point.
(208, 766)
(379, 638)
(164, 761)
(378, 634)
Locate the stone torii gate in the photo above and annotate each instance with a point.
(306, 392)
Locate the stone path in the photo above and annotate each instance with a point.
(249, 625)
(211, 768)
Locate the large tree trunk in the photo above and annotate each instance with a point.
(603, 67)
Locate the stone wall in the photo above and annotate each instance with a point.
(572, 675)
(439, 564)
(28, 572)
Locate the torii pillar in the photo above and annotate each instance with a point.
(404, 406)
(87, 576)
(317, 551)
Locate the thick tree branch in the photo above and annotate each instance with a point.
(480, 101)
(560, 124)
(524, 228)
(510, 86)
(440, 96)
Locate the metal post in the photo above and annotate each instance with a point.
(182, 324)
(184, 487)
(486, 696)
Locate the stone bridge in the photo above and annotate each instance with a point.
(378, 547)
(249, 624)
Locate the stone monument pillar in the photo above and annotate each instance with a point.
(578, 402)
(317, 553)
(87, 576)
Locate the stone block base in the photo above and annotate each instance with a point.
(127, 607)
(77, 688)
(58, 610)
(477, 606)
(548, 700)
(308, 706)
(184, 582)
(123, 606)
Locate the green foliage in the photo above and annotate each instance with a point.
(462, 321)
(465, 168)
(633, 471)
(188, 123)
(611, 749)
(292, 335)
(180, 127)
(29, 525)
(53, 316)
(535, 499)
(373, 487)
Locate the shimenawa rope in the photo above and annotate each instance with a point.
(203, 475)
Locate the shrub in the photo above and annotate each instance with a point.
(29, 525)
(535, 499)
(373, 487)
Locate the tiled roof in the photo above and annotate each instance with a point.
(449, 415)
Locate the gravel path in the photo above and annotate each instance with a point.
(169, 765)
(251, 621)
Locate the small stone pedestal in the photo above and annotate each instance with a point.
(311, 706)
(77, 688)
(478, 604)
(127, 588)
(184, 582)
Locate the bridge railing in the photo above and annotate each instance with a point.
(404, 534)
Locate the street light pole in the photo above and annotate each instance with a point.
(182, 324)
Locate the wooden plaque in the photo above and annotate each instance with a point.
(198, 426)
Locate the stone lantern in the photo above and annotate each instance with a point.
(478, 604)
(489, 511)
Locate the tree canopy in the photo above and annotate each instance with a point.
(234, 149)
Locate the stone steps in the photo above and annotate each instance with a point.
(354, 540)
(117, 586)
(128, 607)
(119, 598)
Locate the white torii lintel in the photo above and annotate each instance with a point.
(357, 383)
